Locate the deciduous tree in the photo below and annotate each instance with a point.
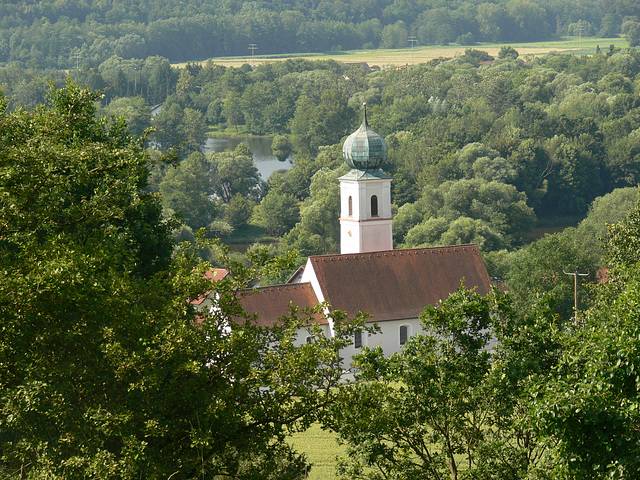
(589, 411)
(440, 408)
(135, 110)
(281, 147)
(188, 189)
(278, 213)
(540, 268)
(106, 369)
(234, 173)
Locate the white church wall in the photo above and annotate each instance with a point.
(388, 338)
(304, 335)
(382, 190)
(350, 236)
(360, 229)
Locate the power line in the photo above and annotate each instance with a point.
(77, 56)
(580, 28)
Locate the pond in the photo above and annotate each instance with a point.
(264, 159)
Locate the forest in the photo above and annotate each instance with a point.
(109, 372)
(62, 33)
(482, 149)
(110, 214)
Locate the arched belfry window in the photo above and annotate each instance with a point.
(374, 206)
(350, 206)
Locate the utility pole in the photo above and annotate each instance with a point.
(412, 41)
(575, 292)
(77, 56)
(580, 28)
(253, 47)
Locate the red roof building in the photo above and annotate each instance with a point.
(393, 286)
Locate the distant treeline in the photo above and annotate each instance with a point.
(65, 33)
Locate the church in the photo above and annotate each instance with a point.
(393, 286)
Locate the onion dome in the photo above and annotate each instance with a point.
(364, 149)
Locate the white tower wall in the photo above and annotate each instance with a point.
(361, 229)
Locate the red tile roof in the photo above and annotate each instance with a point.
(214, 275)
(271, 303)
(398, 284)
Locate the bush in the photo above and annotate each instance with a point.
(508, 52)
(466, 39)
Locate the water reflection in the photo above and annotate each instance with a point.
(264, 159)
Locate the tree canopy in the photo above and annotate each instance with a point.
(107, 369)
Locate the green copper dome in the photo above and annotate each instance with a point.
(364, 149)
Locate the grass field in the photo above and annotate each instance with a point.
(407, 56)
(321, 449)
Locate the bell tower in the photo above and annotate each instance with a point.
(365, 193)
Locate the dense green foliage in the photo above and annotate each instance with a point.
(107, 371)
(478, 152)
(479, 148)
(590, 408)
(105, 366)
(455, 402)
(550, 399)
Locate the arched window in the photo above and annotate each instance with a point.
(404, 334)
(350, 206)
(374, 206)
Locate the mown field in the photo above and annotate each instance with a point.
(398, 57)
(321, 449)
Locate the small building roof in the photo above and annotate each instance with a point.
(271, 303)
(215, 275)
(296, 276)
(398, 284)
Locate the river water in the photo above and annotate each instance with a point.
(264, 159)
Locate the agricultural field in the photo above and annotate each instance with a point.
(321, 448)
(408, 56)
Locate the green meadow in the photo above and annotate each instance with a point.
(321, 448)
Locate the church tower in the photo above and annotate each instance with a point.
(365, 194)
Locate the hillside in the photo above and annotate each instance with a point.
(64, 34)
